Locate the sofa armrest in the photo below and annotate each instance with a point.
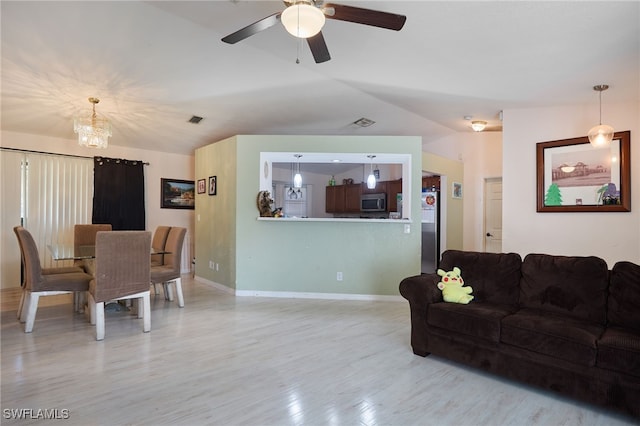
(420, 291)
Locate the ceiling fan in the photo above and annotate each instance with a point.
(305, 19)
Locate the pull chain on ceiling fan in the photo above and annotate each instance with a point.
(304, 18)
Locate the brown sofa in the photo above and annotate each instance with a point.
(567, 324)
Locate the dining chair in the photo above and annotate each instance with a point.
(85, 235)
(170, 271)
(157, 243)
(40, 282)
(122, 268)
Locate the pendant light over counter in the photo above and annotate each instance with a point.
(297, 179)
(371, 180)
(601, 135)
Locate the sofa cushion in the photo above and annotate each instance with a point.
(495, 277)
(619, 350)
(559, 336)
(569, 285)
(478, 319)
(624, 296)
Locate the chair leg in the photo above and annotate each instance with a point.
(155, 288)
(168, 291)
(25, 306)
(92, 310)
(99, 315)
(178, 282)
(32, 308)
(146, 312)
(21, 305)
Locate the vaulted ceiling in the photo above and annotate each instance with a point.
(155, 64)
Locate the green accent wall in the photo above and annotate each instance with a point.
(299, 256)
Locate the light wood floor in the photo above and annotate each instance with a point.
(225, 360)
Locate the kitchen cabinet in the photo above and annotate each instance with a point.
(380, 187)
(343, 198)
(346, 198)
(431, 183)
(394, 187)
(352, 198)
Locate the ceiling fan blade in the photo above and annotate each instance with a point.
(319, 48)
(252, 29)
(375, 18)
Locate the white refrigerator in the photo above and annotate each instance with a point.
(429, 202)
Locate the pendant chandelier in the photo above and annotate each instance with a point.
(93, 131)
(601, 135)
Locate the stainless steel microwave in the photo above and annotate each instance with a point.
(373, 202)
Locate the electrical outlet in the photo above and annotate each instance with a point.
(217, 265)
(211, 264)
(339, 276)
(407, 228)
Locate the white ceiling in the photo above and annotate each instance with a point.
(155, 64)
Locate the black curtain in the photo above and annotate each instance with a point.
(118, 193)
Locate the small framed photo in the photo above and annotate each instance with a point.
(213, 185)
(456, 190)
(202, 186)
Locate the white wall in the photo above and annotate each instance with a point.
(611, 236)
(162, 165)
(481, 154)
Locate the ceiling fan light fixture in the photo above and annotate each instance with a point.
(302, 20)
(478, 125)
(93, 131)
(601, 135)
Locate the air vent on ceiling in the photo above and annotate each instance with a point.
(364, 122)
(195, 119)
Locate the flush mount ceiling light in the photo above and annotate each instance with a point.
(93, 132)
(371, 180)
(297, 179)
(478, 125)
(601, 135)
(302, 19)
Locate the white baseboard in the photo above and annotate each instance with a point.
(300, 295)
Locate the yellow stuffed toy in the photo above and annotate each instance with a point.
(452, 286)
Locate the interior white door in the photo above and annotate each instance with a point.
(493, 215)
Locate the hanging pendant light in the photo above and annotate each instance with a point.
(93, 132)
(297, 179)
(601, 135)
(371, 180)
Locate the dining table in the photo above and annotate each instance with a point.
(87, 254)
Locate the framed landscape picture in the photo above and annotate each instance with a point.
(574, 176)
(177, 194)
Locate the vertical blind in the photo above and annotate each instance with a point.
(48, 194)
(58, 194)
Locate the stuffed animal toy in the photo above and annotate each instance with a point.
(264, 202)
(452, 286)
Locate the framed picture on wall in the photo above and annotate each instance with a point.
(202, 186)
(456, 190)
(177, 194)
(574, 176)
(213, 185)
